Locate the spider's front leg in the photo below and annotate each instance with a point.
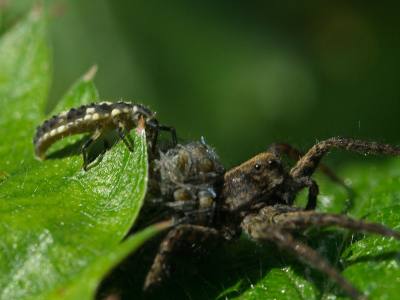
(186, 232)
(294, 153)
(306, 166)
(310, 161)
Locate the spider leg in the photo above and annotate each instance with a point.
(306, 166)
(313, 192)
(304, 219)
(88, 143)
(184, 232)
(292, 152)
(271, 233)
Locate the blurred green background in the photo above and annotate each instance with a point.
(243, 74)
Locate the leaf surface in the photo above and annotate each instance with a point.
(61, 228)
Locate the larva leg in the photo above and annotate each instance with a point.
(163, 128)
(88, 143)
(119, 132)
(105, 140)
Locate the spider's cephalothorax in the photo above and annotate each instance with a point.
(97, 117)
(257, 198)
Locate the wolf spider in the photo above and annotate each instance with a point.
(257, 198)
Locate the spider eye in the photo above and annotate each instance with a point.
(257, 167)
(273, 163)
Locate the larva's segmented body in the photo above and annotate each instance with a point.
(96, 117)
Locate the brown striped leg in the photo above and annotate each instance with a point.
(313, 192)
(192, 234)
(310, 161)
(306, 219)
(271, 233)
(290, 151)
(88, 143)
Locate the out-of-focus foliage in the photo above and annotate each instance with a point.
(242, 74)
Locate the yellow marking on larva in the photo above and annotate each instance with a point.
(70, 125)
(78, 121)
(53, 132)
(64, 113)
(88, 117)
(96, 117)
(115, 112)
(105, 116)
(46, 136)
(61, 129)
(135, 109)
(61, 120)
(126, 110)
(90, 110)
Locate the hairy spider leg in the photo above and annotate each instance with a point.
(185, 232)
(300, 219)
(292, 152)
(307, 165)
(313, 192)
(266, 232)
(272, 222)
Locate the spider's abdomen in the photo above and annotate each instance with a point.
(106, 115)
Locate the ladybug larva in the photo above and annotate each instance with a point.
(99, 117)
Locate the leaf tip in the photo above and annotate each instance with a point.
(163, 225)
(91, 73)
(37, 9)
(140, 128)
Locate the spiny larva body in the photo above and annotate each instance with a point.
(97, 117)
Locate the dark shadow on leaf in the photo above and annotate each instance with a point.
(200, 273)
(70, 150)
(228, 272)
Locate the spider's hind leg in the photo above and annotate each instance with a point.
(266, 232)
(305, 219)
(185, 232)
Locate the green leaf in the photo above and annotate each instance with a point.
(61, 228)
(24, 83)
